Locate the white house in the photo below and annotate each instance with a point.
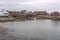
(4, 13)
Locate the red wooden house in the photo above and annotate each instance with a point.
(55, 13)
(41, 13)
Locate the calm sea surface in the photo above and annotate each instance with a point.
(35, 29)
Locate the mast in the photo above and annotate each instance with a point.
(3, 12)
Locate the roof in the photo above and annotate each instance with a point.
(55, 12)
(5, 11)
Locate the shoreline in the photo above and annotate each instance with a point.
(12, 19)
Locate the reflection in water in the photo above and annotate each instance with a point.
(35, 30)
(55, 23)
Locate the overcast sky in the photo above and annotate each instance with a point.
(47, 5)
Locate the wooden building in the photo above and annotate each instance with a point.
(55, 13)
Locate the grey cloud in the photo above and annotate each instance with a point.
(21, 4)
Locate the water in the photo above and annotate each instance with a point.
(35, 29)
